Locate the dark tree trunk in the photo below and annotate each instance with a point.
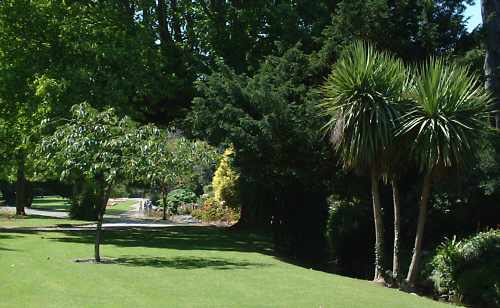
(164, 206)
(98, 233)
(379, 229)
(176, 23)
(491, 21)
(422, 215)
(397, 224)
(20, 189)
(165, 38)
(253, 215)
(105, 193)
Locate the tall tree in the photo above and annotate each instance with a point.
(491, 22)
(271, 121)
(360, 98)
(411, 29)
(447, 123)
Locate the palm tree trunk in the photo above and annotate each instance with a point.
(422, 215)
(379, 229)
(397, 224)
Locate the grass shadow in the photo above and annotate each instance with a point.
(8, 237)
(181, 238)
(187, 262)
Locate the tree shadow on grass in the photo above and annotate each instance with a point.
(7, 237)
(187, 262)
(180, 238)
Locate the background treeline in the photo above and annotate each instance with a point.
(244, 74)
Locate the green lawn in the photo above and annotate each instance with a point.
(11, 220)
(178, 267)
(120, 207)
(50, 203)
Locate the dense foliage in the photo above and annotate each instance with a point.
(207, 75)
(468, 271)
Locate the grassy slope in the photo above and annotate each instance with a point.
(178, 267)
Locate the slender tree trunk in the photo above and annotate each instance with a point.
(20, 189)
(379, 229)
(397, 224)
(98, 232)
(491, 22)
(422, 215)
(104, 202)
(164, 206)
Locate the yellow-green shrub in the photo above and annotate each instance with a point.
(225, 181)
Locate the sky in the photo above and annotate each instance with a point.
(474, 12)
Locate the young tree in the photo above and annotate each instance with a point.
(97, 145)
(447, 124)
(166, 161)
(360, 98)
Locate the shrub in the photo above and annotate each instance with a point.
(178, 197)
(350, 235)
(468, 271)
(213, 210)
(225, 182)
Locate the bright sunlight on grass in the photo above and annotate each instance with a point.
(178, 267)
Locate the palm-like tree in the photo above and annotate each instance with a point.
(446, 124)
(360, 100)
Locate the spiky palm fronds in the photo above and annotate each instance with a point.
(360, 100)
(449, 116)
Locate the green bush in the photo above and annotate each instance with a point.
(468, 271)
(214, 211)
(178, 197)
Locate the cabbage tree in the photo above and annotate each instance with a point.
(446, 123)
(361, 98)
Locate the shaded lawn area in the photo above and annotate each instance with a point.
(10, 220)
(50, 203)
(174, 267)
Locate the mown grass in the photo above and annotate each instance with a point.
(175, 267)
(50, 203)
(10, 220)
(120, 207)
